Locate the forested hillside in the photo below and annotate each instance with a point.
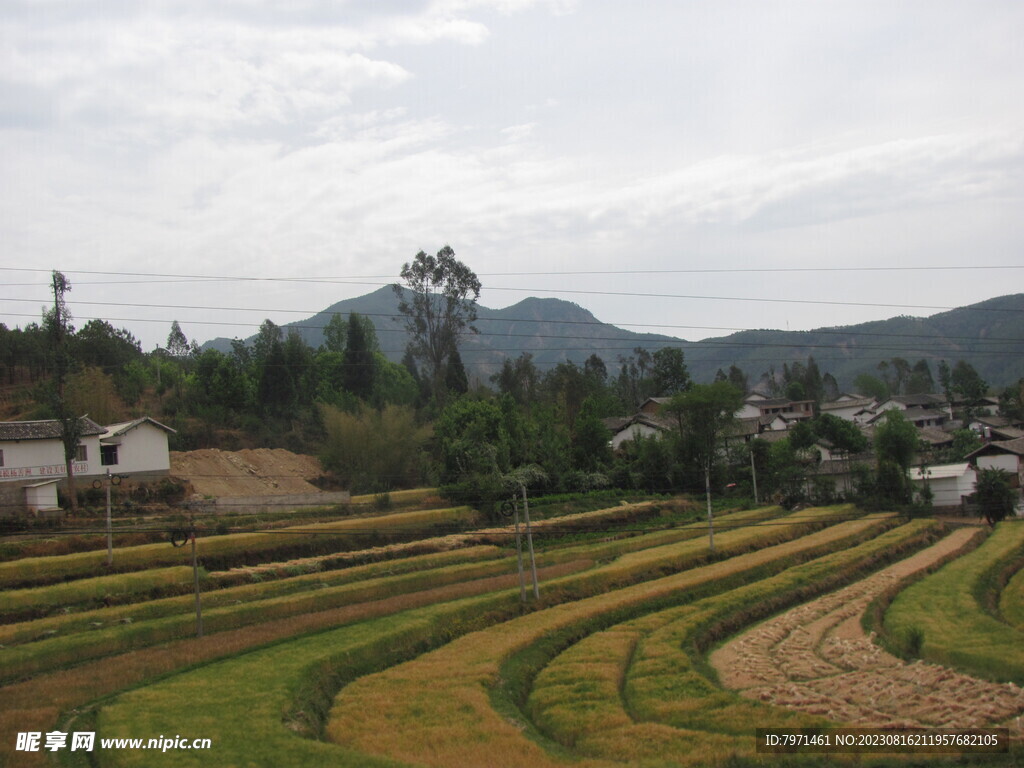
(988, 335)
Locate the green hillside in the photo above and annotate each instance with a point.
(989, 335)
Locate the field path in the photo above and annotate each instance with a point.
(817, 659)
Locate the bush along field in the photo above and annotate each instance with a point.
(422, 653)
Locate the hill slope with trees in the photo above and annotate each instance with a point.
(988, 335)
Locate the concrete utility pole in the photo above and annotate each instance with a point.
(110, 528)
(753, 475)
(511, 509)
(109, 481)
(529, 543)
(707, 493)
(195, 581)
(178, 539)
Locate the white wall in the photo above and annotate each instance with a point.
(1003, 461)
(142, 449)
(26, 459)
(948, 491)
(630, 433)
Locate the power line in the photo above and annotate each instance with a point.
(547, 273)
(488, 320)
(632, 294)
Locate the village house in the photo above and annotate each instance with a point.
(950, 484)
(1007, 455)
(851, 408)
(920, 417)
(32, 458)
(640, 424)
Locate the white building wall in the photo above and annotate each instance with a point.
(42, 496)
(43, 459)
(1006, 462)
(142, 449)
(949, 491)
(748, 411)
(631, 432)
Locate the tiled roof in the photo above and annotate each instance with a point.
(119, 429)
(1000, 446)
(935, 436)
(48, 429)
(863, 402)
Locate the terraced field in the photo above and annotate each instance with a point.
(429, 657)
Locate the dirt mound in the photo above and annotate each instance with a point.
(252, 472)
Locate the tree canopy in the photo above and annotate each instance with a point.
(439, 305)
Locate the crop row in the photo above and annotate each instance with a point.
(138, 613)
(237, 548)
(301, 675)
(90, 620)
(944, 618)
(655, 697)
(19, 604)
(58, 641)
(495, 665)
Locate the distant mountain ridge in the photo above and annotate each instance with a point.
(989, 335)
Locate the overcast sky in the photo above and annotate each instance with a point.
(322, 143)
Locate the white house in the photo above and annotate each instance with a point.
(136, 448)
(32, 450)
(32, 457)
(1007, 455)
(639, 425)
(850, 408)
(950, 483)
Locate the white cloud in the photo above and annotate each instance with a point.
(327, 138)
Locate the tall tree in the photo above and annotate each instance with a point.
(829, 388)
(269, 335)
(668, 373)
(738, 378)
(946, 380)
(456, 382)
(439, 305)
(595, 368)
(590, 439)
(966, 382)
(703, 413)
(896, 443)
(920, 381)
(896, 439)
(994, 495)
(358, 370)
(335, 333)
(177, 342)
(71, 426)
(871, 386)
(276, 390)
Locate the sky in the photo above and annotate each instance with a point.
(677, 166)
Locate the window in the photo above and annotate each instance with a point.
(81, 454)
(1, 457)
(108, 455)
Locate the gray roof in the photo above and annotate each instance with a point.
(116, 430)
(1006, 433)
(48, 429)
(862, 402)
(1000, 446)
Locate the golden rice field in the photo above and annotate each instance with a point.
(646, 648)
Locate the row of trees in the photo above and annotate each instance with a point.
(381, 424)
